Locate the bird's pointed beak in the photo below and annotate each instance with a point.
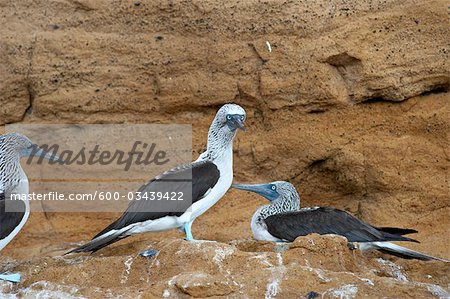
(241, 125)
(35, 151)
(236, 122)
(264, 190)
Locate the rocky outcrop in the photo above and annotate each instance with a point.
(242, 269)
(94, 61)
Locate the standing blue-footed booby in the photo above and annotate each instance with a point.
(284, 220)
(13, 181)
(212, 175)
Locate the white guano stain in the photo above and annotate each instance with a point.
(221, 254)
(347, 291)
(319, 272)
(394, 269)
(45, 289)
(269, 47)
(127, 270)
(438, 291)
(273, 286)
(170, 284)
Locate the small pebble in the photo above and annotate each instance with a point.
(149, 253)
(312, 295)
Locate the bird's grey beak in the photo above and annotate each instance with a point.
(240, 124)
(35, 151)
(264, 190)
(236, 122)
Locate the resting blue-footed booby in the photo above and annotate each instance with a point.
(284, 220)
(212, 175)
(13, 181)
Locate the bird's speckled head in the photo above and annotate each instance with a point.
(285, 189)
(223, 129)
(14, 146)
(231, 116)
(280, 193)
(15, 143)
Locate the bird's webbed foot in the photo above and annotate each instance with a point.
(14, 277)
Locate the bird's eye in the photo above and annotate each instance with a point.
(242, 117)
(274, 187)
(228, 117)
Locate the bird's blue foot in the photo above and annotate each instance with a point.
(189, 237)
(15, 277)
(149, 253)
(187, 230)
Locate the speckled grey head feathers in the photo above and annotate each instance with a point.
(287, 201)
(14, 144)
(11, 148)
(289, 196)
(227, 121)
(227, 109)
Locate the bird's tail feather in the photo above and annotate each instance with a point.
(99, 242)
(397, 231)
(400, 251)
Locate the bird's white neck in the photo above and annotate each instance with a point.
(259, 227)
(278, 206)
(11, 173)
(220, 142)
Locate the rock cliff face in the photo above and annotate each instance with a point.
(348, 101)
(239, 269)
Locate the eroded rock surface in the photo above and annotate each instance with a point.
(241, 269)
(95, 61)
